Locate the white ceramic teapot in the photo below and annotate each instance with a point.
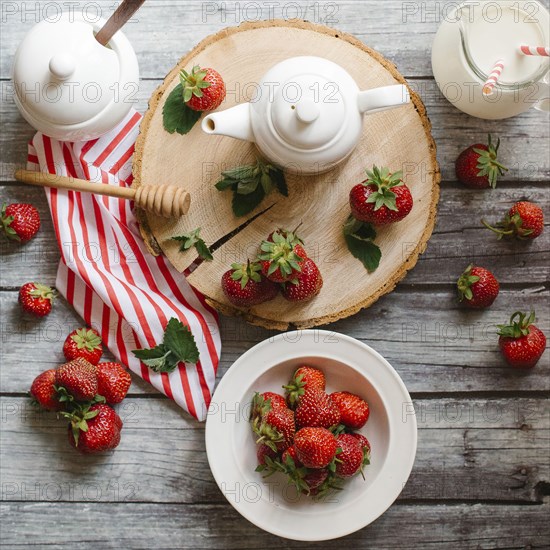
(307, 114)
(70, 87)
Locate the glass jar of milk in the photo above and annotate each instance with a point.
(474, 36)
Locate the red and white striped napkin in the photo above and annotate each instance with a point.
(108, 276)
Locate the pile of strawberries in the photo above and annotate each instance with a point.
(309, 435)
(282, 265)
(83, 391)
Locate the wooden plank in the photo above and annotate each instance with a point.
(458, 239)
(490, 449)
(433, 344)
(145, 526)
(523, 147)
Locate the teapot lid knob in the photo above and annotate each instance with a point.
(307, 110)
(62, 65)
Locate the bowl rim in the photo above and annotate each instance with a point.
(402, 435)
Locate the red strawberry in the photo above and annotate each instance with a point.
(95, 430)
(365, 446)
(316, 409)
(113, 382)
(20, 222)
(521, 342)
(313, 480)
(477, 287)
(525, 220)
(36, 299)
(291, 453)
(203, 89)
(304, 378)
(276, 429)
(478, 166)
(315, 447)
(264, 451)
(79, 378)
(354, 411)
(44, 392)
(350, 460)
(244, 285)
(85, 343)
(307, 284)
(383, 198)
(282, 257)
(264, 402)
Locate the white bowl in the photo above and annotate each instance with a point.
(270, 503)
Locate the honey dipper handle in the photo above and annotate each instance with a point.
(41, 179)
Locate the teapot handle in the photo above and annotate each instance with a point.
(381, 99)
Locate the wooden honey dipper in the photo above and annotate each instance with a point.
(164, 200)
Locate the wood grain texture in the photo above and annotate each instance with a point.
(399, 138)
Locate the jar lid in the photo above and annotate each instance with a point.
(62, 74)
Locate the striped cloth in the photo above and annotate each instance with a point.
(108, 276)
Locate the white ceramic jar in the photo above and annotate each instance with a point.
(70, 87)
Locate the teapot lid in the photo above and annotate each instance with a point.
(62, 74)
(308, 111)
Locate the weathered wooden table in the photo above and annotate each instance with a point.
(482, 472)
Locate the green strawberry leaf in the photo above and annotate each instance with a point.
(359, 239)
(193, 239)
(180, 341)
(244, 204)
(176, 115)
(156, 358)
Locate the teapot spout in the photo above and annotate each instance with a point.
(381, 99)
(234, 122)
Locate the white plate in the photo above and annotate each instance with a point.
(348, 365)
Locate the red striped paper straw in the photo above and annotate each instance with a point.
(534, 50)
(493, 77)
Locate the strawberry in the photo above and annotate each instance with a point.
(313, 480)
(304, 378)
(36, 299)
(282, 257)
(307, 284)
(79, 378)
(381, 199)
(315, 447)
(478, 166)
(264, 451)
(20, 222)
(276, 428)
(203, 88)
(525, 220)
(85, 343)
(365, 447)
(263, 403)
(521, 342)
(113, 382)
(354, 411)
(350, 459)
(290, 452)
(244, 286)
(44, 392)
(95, 430)
(316, 409)
(477, 287)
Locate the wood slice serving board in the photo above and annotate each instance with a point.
(399, 139)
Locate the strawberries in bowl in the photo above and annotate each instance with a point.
(303, 468)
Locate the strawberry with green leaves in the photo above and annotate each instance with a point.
(525, 220)
(365, 447)
(354, 411)
(113, 381)
(20, 222)
(36, 299)
(245, 286)
(79, 378)
(203, 88)
(305, 285)
(478, 166)
(521, 342)
(282, 257)
(383, 198)
(94, 429)
(276, 428)
(85, 343)
(315, 447)
(44, 392)
(350, 458)
(304, 378)
(477, 287)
